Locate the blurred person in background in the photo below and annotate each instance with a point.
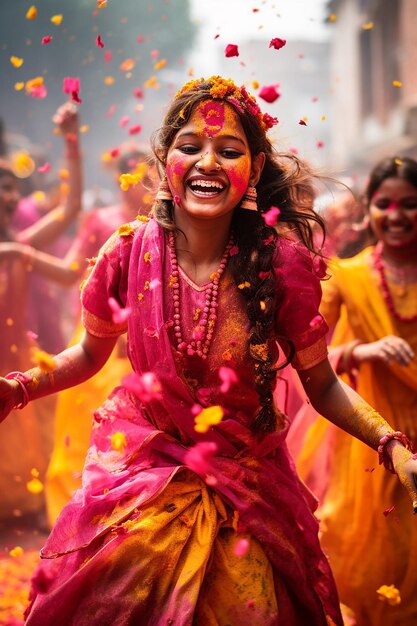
(371, 303)
(30, 430)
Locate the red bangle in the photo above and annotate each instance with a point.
(383, 458)
(23, 380)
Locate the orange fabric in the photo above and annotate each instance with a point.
(366, 548)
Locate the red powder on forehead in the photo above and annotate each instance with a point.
(213, 116)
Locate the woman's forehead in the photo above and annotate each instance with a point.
(212, 117)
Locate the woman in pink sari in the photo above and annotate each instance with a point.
(190, 511)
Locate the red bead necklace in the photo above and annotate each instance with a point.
(379, 265)
(203, 332)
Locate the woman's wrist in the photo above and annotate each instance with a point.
(20, 381)
(390, 446)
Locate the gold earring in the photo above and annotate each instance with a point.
(249, 199)
(164, 192)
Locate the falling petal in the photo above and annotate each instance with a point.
(231, 50)
(211, 416)
(199, 457)
(269, 93)
(271, 216)
(228, 377)
(277, 43)
(119, 314)
(241, 547)
(145, 387)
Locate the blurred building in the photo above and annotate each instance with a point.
(373, 61)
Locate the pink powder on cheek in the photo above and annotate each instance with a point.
(239, 177)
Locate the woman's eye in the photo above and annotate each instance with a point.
(228, 153)
(187, 149)
(382, 204)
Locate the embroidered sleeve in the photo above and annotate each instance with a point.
(298, 320)
(108, 279)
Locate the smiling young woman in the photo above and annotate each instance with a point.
(190, 510)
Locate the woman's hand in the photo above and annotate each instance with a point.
(405, 466)
(388, 349)
(66, 118)
(10, 396)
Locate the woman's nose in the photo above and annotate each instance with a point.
(208, 162)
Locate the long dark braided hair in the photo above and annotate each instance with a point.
(285, 182)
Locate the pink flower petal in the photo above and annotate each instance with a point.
(119, 314)
(134, 130)
(39, 92)
(302, 123)
(146, 387)
(108, 56)
(316, 321)
(124, 121)
(199, 457)
(71, 84)
(44, 168)
(228, 377)
(99, 42)
(138, 93)
(388, 511)
(46, 40)
(231, 50)
(110, 111)
(269, 93)
(277, 43)
(241, 548)
(271, 216)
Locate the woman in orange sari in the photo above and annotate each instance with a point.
(372, 297)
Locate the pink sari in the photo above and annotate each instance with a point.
(255, 476)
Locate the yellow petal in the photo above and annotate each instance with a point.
(118, 441)
(16, 61)
(34, 486)
(19, 86)
(57, 19)
(210, 416)
(17, 551)
(32, 13)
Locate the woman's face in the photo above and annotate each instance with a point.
(209, 164)
(9, 197)
(393, 215)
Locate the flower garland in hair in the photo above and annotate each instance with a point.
(225, 89)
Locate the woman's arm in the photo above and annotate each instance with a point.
(63, 271)
(340, 404)
(57, 221)
(72, 366)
